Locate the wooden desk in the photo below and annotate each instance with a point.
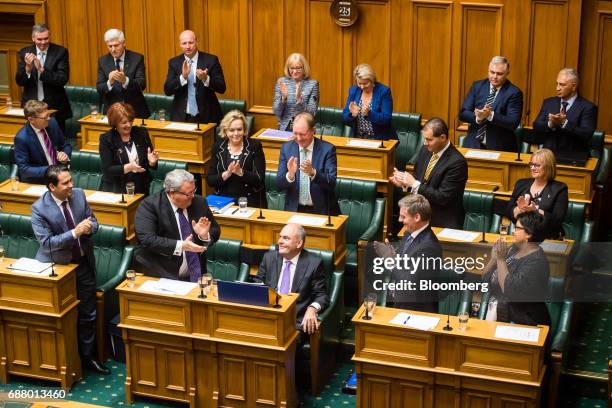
(190, 146)
(403, 367)
(38, 325)
(10, 125)
(364, 163)
(119, 214)
(261, 234)
(205, 352)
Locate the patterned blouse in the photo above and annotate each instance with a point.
(364, 126)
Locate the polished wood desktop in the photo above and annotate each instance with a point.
(119, 214)
(363, 163)
(260, 234)
(205, 352)
(399, 366)
(10, 124)
(190, 146)
(38, 325)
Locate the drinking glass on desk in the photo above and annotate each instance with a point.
(463, 317)
(242, 204)
(503, 229)
(129, 190)
(130, 275)
(1, 254)
(9, 102)
(94, 112)
(14, 183)
(370, 304)
(161, 115)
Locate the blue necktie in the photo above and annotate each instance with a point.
(191, 92)
(407, 241)
(193, 259)
(481, 133)
(117, 84)
(284, 288)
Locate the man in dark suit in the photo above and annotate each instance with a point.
(63, 224)
(566, 122)
(174, 227)
(493, 109)
(193, 78)
(43, 71)
(291, 268)
(39, 144)
(421, 245)
(307, 169)
(121, 75)
(440, 176)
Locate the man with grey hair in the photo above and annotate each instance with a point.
(493, 108)
(43, 71)
(121, 75)
(566, 122)
(174, 227)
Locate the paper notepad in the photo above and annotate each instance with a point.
(363, 143)
(168, 286)
(35, 190)
(458, 235)
(517, 333)
(277, 134)
(102, 197)
(481, 154)
(235, 212)
(180, 126)
(307, 220)
(554, 246)
(14, 111)
(415, 321)
(29, 265)
(103, 119)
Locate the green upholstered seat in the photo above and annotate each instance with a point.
(86, 170)
(113, 259)
(479, 212)
(451, 302)
(239, 104)
(155, 102)
(159, 174)
(223, 261)
(8, 168)
(408, 127)
(329, 121)
(18, 237)
(574, 225)
(275, 197)
(81, 99)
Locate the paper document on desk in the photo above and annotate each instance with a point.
(481, 154)
(554, 246)
(415, 321)
(363, 143)
(458, 235)
(168, 286)
(14, 111)
(29, 265)
(517, 333)
(235, 212)
(277, 134)
(180, 126)
(35, 190)
(103, 119)
(307, 220)
(103, 197)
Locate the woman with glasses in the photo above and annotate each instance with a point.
(518, 275)
(126, 152)
(369, 106)
(295, 92)
(237, 166)
(542, 194)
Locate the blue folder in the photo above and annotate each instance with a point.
(245, 293)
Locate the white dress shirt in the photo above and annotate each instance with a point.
(308, 149)
(570, 102)
(194, 67)
(417, 183)
(121, 65)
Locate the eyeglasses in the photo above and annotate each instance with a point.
(190, 194)
(296, 68)
(519, 228)
(535, 165)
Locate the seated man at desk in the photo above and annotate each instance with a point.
(307, 169)
(291, 268)
(39, 143)
(440, 175)
(174, 227)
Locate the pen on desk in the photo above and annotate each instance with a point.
(407, 318)
(234, 212)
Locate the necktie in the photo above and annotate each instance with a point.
(284, 286)
(430, 166)
(406, 244)
(49, 147)
(481, 133)
(193, 261)
(76, 247)
(304, 181)
(564, 107)
(192, 105)
(41, 92)
(117, 84)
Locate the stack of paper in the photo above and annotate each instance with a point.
(14, 111)
(102, 197)
(181, 126)
(29, 265)
(35, 190)
(103, 119)
(517, 333)
(235, 212)
(415, 321)
(307, 220)
(363, 143)
(276, 134)
(548, 246)
(481, 154)
(168, 286)
(458, 235)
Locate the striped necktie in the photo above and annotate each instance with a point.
(49, 146)
(304, 196)
(430, 166)
(40, 91)
(481, 133)
(564, 107)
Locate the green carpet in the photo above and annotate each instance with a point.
(591, 343)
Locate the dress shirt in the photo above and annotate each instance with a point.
(417, 183)
(121, 65)
(308, 157)
(194, 66)
(41, 140)
(294, 262)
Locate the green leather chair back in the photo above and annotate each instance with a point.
(18, 239)
(159, 174)
(240, 104)
(328, 264)
(601, 177)
(597, 144)
(223, 260)
(109, 243)
(8, 169)
(518, 132)
(275, 197)
(81, 98)
(574, 220)
(155, 102)
(408, 127)
(357, 199)
(478, 210)
(329, 121)
(86, 170)
(450, 302)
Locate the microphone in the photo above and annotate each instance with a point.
(142, 122)
(322, 126)
(329, 193)
(484, 224)
(382, 141)
(119, 151)
(276, 305)
(261, 216)
(52, 274)
(197, 123)
(519, 141)
(448, 326)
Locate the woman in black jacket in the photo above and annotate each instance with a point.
(237, 166)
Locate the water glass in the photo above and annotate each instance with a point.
(94, 112)
(242, 204)
(1, 254)
(130, 275)
(463, 320)
(9, 102)
(503, 229)
(205, 283)
(370, 304)
(161, 115)
(14, 183)
(129, 189)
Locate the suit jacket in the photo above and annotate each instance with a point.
(576, 135)
(321, 187)
(554, 202)
(253, 164)
(54, 77)
(308, 282)
(113, 156)
(445, 187)
(508, 108)
(206, 98)
(134, 69)
(51, 230)
(286, 111)
(380, 111)
(158, 232)
(424, 246)
(29, 154)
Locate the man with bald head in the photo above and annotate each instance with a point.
(194, 78)
(566, 122)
